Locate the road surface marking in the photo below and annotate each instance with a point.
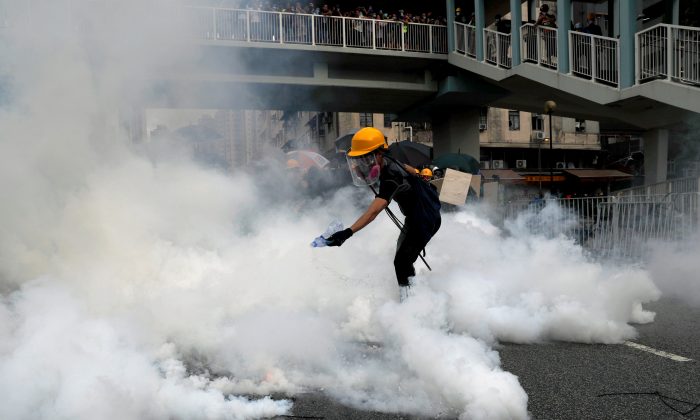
(661, 353)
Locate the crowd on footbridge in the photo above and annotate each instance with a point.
(360, 12)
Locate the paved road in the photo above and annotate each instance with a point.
(563, 380)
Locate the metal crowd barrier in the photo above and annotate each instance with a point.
(668, 52)
(594, 57)
(678, 185)
(625, 226)
(497, 48)
(296, 28)
(612, 226)
(539, 45)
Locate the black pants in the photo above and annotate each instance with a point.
(410, 244)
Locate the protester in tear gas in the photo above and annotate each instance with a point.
(370, 164)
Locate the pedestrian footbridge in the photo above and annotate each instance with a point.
(646, 80)
(664, 87)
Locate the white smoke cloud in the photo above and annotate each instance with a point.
(674, 268)
(143, 286)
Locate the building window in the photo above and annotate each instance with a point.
(388, 118)
(580, 126)
(537, 122)
(483, 118)
(366, 119)
(514, 120)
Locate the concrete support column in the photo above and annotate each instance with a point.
(563, 25)
(132, 123)
(516, 19)
(457, 132)
(627, 25)
(531, 10)
(673, 12)
(655, 156)
(480, 23)
(450, 26)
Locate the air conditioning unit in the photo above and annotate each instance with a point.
(538, 135)
(498, 164)
(485, 164)
(561, 165)
(521, 164)
(482, 127)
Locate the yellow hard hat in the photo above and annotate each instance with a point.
(426, 172)
(416, 171)
(459, 9)
(366, 140)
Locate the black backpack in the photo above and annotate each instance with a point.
(427, 195)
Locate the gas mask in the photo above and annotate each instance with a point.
(365, 169)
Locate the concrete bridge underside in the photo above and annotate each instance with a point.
(263, 78)
(416, 87)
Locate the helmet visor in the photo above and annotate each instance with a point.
(364, 169)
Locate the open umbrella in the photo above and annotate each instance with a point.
(307, 159)
(464, 163)
(414, 154)
(342, 143)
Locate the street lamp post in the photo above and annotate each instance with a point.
(539, 164)
(549, 108)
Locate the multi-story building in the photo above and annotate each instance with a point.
(514, 139)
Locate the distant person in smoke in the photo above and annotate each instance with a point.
(370, 164)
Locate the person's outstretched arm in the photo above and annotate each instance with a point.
(376, 207)
(370, 214)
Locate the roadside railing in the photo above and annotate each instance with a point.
(539, 45)
(497, 48)
(668, 52)
(611, 226)
(678, 185)
(594, 57)
(625, 226)
(222, 24)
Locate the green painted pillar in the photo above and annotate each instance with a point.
(563, 25)
(450, 26)
(480, 17)
(516, 19)
(627, 26)
(655, 156)
(673, 12)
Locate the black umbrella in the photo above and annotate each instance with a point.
(342, 143)
(414, 154)
(464, 163)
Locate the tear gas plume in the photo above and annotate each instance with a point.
(138, 285)
(674, 268)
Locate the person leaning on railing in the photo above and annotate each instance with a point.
(548, 21)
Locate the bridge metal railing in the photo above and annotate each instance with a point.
(594, 57)
(668, 52)
(497, 48)
(539, 45)
(465, 39)
(223, 24)
(611, 226)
